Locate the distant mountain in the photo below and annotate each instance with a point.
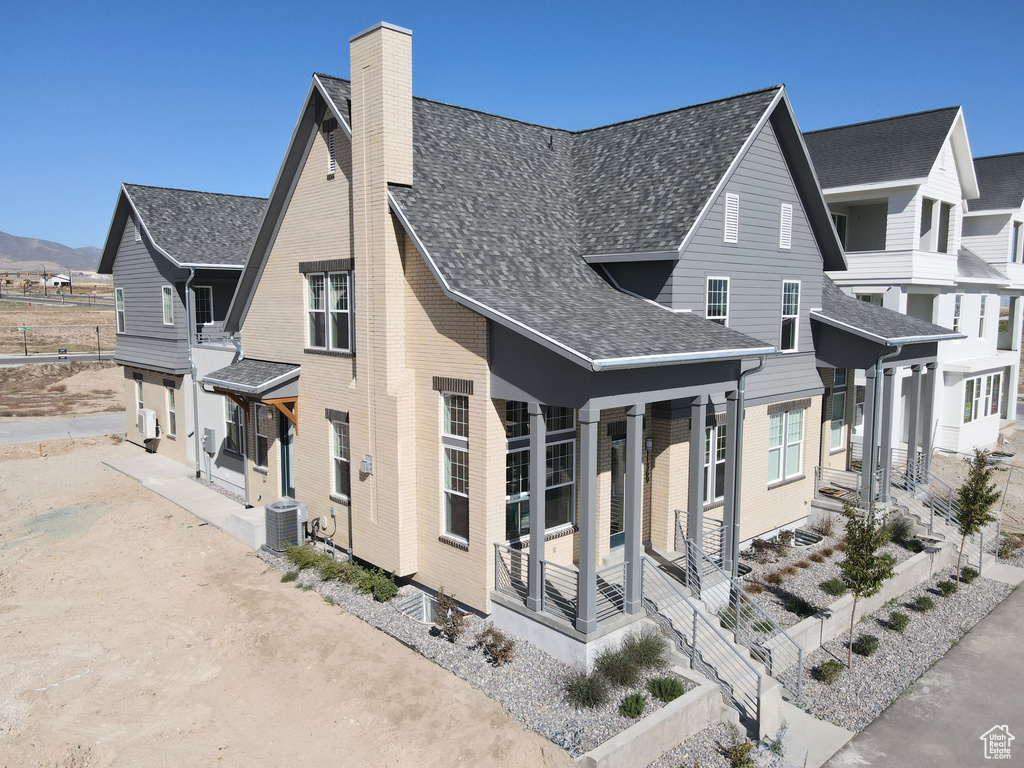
(28, 253)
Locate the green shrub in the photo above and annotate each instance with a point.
(618, 668)
(666, 689)
(923, 604)
(585, 690)
(633, 706)
(344, 571)
(375, 582)
(947, 587)
(738, 752)
(829, 671)
(647, 649)
(887, 558)
(290, 576)
(449, 619)
(913, 545)
(898, 621)
(834, 586)
(799, 606)
(498, 647)
(763, 626)
(968, 574)
(865, 645)
(900, 528)
(305, 557)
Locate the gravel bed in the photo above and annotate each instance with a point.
(219, 489)
(529, 687)
(704, 749)
(805, 583)
(858, 697)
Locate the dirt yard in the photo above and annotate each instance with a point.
(132, 635)
(52, 327)
(50, 389)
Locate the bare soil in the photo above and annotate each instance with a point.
(133, 635)
(53, 327)
(51, 389)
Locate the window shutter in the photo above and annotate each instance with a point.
(786, 226)
(732, 218)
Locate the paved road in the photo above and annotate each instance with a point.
(33, 430)
(100, 302)
(7, 361)
(939, 722)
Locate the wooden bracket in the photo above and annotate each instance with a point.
(282, 403)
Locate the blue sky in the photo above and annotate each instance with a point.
(204, 95)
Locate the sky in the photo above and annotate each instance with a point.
(204, 95)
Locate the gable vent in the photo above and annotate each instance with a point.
(786, 226)
(332, 163)
(329, 125)
(732, 218)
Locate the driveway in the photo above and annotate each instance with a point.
(939, 721)
(37, 429)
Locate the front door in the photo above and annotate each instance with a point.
(618, 487)
(287, 435)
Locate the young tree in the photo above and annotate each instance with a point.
(863, 569)
(975, 499)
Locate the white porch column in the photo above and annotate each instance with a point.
(695, 507)
(886, 442)
(869, 444)
(732, 435)
(927, 426)
(586, 584)
(538, 483)
(913, 427)
(634, 508)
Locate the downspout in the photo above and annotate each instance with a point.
(741, 393)
(190, 322)
(876, 418)
(237, 344)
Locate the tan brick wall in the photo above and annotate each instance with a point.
(670, 479)
(836, 459)
(154, 395)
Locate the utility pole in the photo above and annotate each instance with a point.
(71, 280)
(99, 355)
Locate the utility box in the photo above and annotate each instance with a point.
(284, 521)
(210, 440)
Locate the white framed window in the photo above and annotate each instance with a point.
(262, 436)
(138, 395)
(786, 226)
(839, 379)
(731, 227)
(455, 449)
(332, 162)
(340, 461)
(716, 307)
(560, 492)
(233, 427)
(168, 303)
(789, 336)
(1017, 243)
(715, 455)
(996, 401)
(517, 493)
(119, 309)
(838, 427)
(204, 304)
(983, 397)
(981, 316)
(560, 419)
(341, 312)
(172, 415)
(958, 310)
(316, 312)
(517, 419)
(785, 445)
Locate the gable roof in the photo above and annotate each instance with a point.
(191, 228)
(971, 268)
(875, 323)
(1001, 179)
(887, 150)
(252, 376)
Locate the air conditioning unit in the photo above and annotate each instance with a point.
(284, 520)
(147, 423)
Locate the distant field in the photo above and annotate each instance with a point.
(54, 327)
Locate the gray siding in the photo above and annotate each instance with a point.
(650, 279)
(757, 266)
(147, 342)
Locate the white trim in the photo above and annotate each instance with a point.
(171, 406)
(878, 186)
(347, 311)
(331, 105)
(707, 291)
(731, 218)
(167, 303)
(124, 325)
(256, 434)
(335, 493)
(786, 226)
(206, 290)
(323, 310)
(795, 318)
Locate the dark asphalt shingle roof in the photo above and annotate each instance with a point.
(1001, 179)
(890, 149)
(971, 266)
(507, 209)
(250, 375)
(199, 228)
(877, 321)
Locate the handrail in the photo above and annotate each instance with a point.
(611, 590)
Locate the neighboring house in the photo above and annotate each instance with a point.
(898, 189)
(443, 306)
(55, 281)
(175, 256)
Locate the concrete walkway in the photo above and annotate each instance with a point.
(30, 430)
(174, 482)
(940, 720)
(809, 742)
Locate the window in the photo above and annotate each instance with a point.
(204, 304)
(560, 497)
(997, 395)
(340, 460)
(785, 445)
(560, 419)
(138, 394)
(172, 416)
(233, 427)
(517, 494)
(786, 226)
(983, 397)
(316, 311)
(455, 443)
(838, 419)
(340, 312)
(732, 218)
(1017, 244)
(958, 308)
(119, 309)
(839, 379)
(790, 315)
(332, 163)
(717, 307)
(839, 221)
(517, 419)
(168, 301)
(715, 440)
(981, 317)
(262, 431)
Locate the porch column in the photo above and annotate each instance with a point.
(695, 507)
(869, 442)
(586, 584)
(634, 508)
(886, 442)
(732, 434)
(913, 428)
(538, 482)
(927, 434)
